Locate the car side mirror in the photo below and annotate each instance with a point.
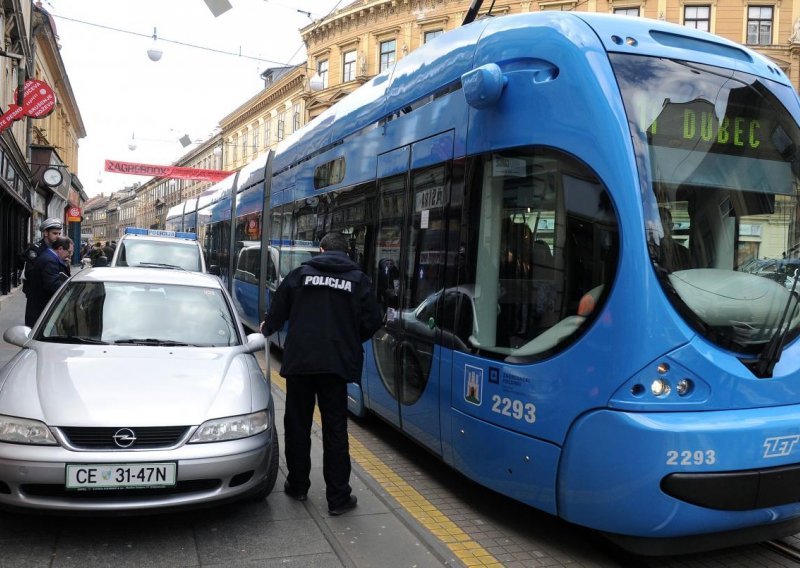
(214, 269)
(255, 342)
(17, 335)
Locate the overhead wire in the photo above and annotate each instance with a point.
(205, 48)
(166, 40)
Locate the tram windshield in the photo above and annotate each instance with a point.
(718, 158)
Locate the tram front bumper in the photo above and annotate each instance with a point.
(673, 474)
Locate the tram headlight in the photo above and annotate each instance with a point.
(660, 387)
(683, 387)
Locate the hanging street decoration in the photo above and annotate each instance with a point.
(39, 100)
(176, 172)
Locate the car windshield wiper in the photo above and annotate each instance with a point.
(771, 354)
(159, 265)
(151, 341)
(73, 339)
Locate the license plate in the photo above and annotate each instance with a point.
(119, 476)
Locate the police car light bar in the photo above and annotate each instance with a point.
(160, 233)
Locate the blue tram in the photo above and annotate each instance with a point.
(555, 209)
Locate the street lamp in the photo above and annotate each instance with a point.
(316, 83)
(155, 53)
(132, 143)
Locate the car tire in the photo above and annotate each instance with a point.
(265, 487)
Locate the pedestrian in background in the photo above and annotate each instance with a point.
(97, 255)
(51, 230)
(331, 309)
(50, 270)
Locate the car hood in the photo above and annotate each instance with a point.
(76, 385)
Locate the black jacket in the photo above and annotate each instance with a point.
(47, 276)
(331, 310)
(25, 260)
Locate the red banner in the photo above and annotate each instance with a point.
(151, 170)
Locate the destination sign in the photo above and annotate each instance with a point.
(697, 126)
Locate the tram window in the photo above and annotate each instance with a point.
(248, 265)
(329, 173)
(390, 228)
(425, 253)
(542, 235)
(346, 211)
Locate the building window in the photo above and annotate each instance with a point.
(267, 131)
(349, 66)
(296, 117)
(322, 71)
(626, 11)
(759, 25)
(431, 34)
(245, 145)
(255, 138)
(235, 145)
(388, 54)
(281, 122)
(698, 17)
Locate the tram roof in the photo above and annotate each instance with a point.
(445, 59)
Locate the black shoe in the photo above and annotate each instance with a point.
(296, 495)
(348, 505)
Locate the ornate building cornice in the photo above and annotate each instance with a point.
(266, 99)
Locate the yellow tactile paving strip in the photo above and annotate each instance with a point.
(462, 546)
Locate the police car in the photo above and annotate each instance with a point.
(152, 248)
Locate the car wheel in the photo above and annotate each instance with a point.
(265, 487)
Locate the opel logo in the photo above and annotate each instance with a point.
(124, 437)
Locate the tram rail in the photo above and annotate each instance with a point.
(783, 548)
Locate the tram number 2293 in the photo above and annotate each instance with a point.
(514, 408)
(689, 457)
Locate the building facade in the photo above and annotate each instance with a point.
(260, 123)
(29, 51)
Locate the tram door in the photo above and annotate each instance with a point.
(410, 277)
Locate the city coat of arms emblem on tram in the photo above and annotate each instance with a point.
(473, 384)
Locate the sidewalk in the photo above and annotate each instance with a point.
(12, 312)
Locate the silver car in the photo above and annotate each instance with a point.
(136, 389)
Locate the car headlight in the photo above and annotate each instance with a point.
(232, 428)
(23, 431)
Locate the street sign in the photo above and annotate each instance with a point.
(39, 100)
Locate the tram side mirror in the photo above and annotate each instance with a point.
(483, 86)
(214, 269)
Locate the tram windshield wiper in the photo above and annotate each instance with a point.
(73, 339)
(771, 354)
(159, 265)
(151, 341)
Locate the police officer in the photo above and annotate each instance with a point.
(51, 230)
(331, 309)
(50, 270)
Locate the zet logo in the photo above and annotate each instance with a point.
(779, 446)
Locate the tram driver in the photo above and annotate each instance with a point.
(671, 254)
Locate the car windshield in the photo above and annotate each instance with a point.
(129, 313)
(181, 254)
(718, 158)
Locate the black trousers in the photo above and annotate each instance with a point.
(330, 391)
